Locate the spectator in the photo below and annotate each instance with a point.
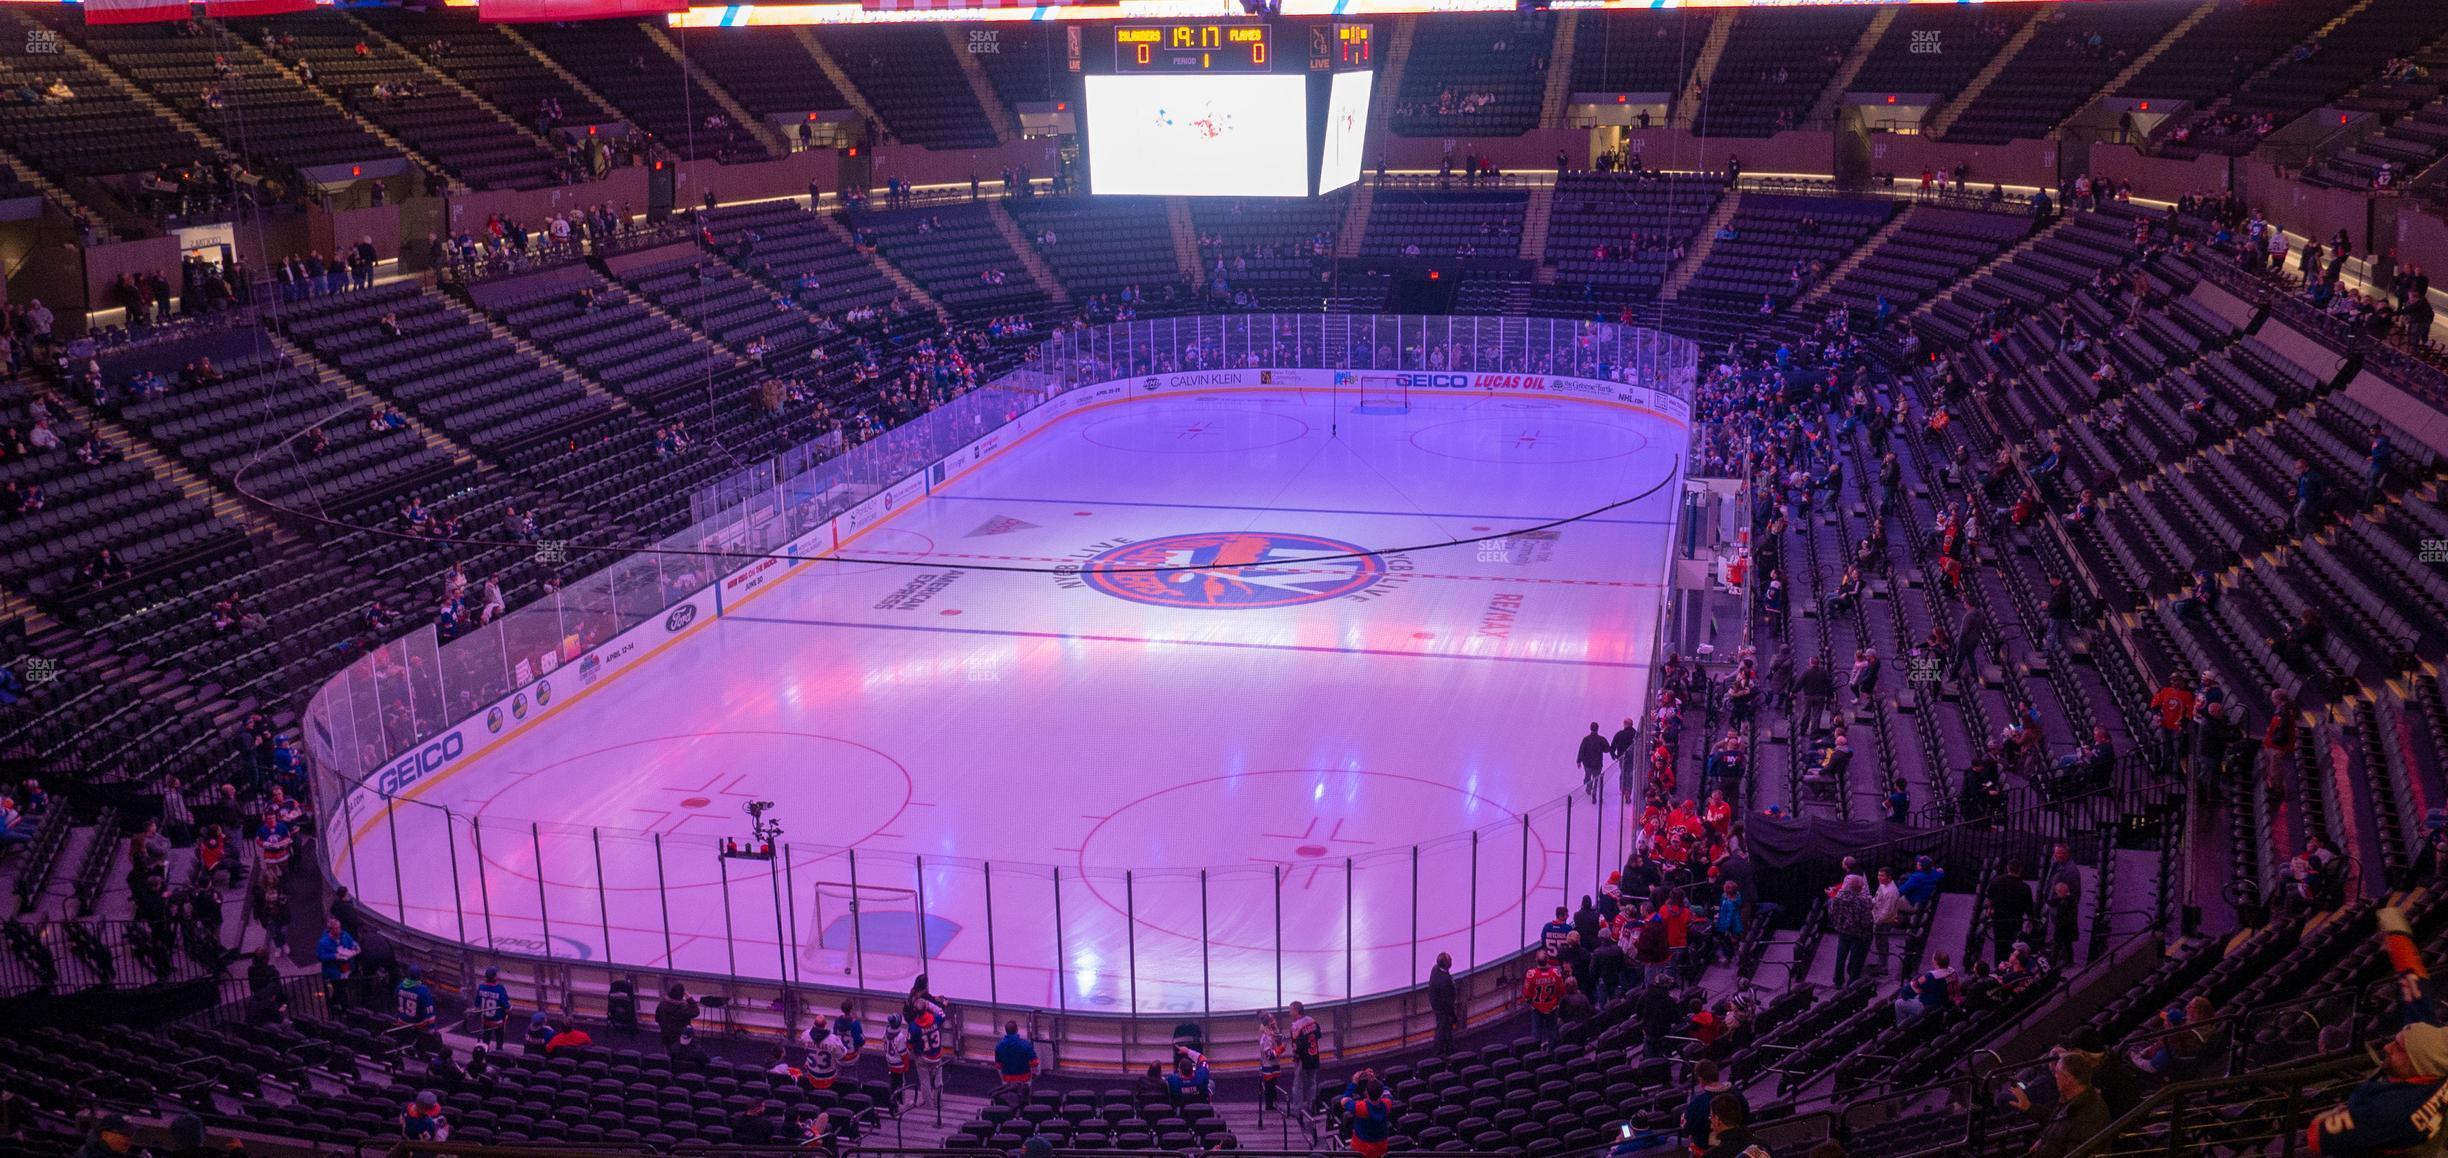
(2080, 1114)
(1368, 1112)
(1306, 1038)
(1919, 888)
(1729, 1129)
(2393, 1112)
(1707, 1083)
(338, 952)
(492, 1008)
(2064, 923)
(674, 1017)
(1850, 915)
(1543, 992)
(423, 1120)
(826, 1053)
(1443, 1003)
(414, 1001)
(1271, 1049)
(2010, 909)
(1190, 1075)
(760, 1126)
(568, 1040)
(1016, 1060)
(1887, 911)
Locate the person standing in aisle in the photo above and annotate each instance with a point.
(896, 1057)
(1270, 1060)
(674, 1016)
(1442, 1002)
(1306, 1038)
(492, 1008)
(2010, 910)
(1016, 1060)
(825, 1054)
(926, 1040)
(1543, 991)
(413, 1005)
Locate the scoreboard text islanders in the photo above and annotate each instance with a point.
(1193, 46)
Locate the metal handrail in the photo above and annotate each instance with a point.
(2168, 1097)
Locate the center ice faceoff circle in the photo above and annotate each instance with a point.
(1233, 570)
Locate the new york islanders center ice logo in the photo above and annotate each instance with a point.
(1234, 570)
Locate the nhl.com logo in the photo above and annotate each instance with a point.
(680, 617)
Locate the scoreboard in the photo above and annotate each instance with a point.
(1194, 46)
(1352, 46)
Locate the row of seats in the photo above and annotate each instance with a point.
(1478, 74)
(1612, 237)
(1773, 70)
(623, 62)
(226, 85)
(465, 137)
(2071, 54)
(911, 78)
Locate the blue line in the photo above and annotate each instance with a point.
(1143, 640)
(1291, 510)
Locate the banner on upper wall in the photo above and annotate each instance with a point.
(218, 9)
(546, 11)
(134, 11)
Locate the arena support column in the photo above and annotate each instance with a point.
(1564, 880)
(1206, 970)
(484, 891)
(722, 864)
(535, 838)
(1349, 947)
(918, 874)
(1523, 897)
(773, 878)
(858, 943)
(790, 889)
(1406, 1008)
(1278, 890)
(1062, 958)
(1474, 900)
(450, 835)
(399, 891)
(663, 899)
(348, 828)
(993, 989)
(603, 904)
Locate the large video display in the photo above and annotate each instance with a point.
(1347, 118)
(1198, 136)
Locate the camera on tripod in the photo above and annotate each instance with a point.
(762, 834)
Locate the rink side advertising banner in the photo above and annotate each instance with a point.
(505, 718)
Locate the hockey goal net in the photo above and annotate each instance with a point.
(867, 930)
(1381, 393)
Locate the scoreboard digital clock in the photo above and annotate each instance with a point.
(1194, 46)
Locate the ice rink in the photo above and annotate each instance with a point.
(1188, 789)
